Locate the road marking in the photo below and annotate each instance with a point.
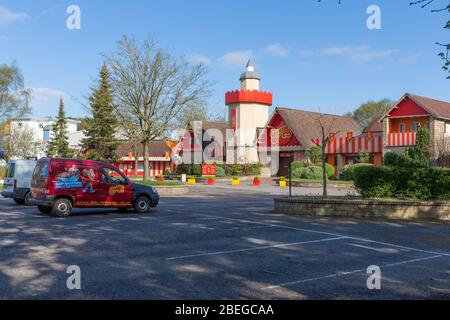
(341, 274)
(281, 245)
(334, 234)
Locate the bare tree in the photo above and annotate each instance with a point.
(151, 87)
(23, 144)
(326, 129)
(442, 149)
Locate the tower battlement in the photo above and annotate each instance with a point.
(248, 96)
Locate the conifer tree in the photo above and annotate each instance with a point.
(59, 143)
(100, 142)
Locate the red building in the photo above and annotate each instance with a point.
(159, 159)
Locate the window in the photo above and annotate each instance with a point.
(402, 127)
(10, 170)
(415, 126)
(46, 135)
(447, 128)
(111, 176)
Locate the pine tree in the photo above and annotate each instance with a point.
(100, 142)
(59, 143)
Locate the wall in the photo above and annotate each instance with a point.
(394, 123)
(364, 208)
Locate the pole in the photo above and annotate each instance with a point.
(290, 177)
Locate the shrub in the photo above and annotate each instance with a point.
(297, 165)
(312, 172)
(220, 172)
(233, 170)
(255, 169)
(315, 154)
(330, 170)
(347, 173)
(397, 160)
(374, 182)
(197, 169)
(183, 169)
(404, 182)
(298, 172)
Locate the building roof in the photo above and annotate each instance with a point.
(440, 109)
(305, 124)
(156, 149)
(374, 126)
(437, 108)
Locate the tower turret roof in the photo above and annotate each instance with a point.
(250, 73)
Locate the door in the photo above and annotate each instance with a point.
(116, 190)
(285, 161)
(9, 183)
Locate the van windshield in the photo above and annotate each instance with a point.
(40, 171)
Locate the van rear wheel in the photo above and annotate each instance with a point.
(26, 200)
(142, 204)
(62, 208)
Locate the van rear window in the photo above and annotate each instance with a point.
(10, 170)
(41, 170)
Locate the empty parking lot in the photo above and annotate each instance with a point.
(219, 243)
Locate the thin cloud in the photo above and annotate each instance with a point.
(42, 94)
(306, 53)
(276, 50)
(411, 58)
(361, 54)
(198, 58)
(8, 16)
(235, 58)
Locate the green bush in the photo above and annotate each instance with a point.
(255, 169)
(298, 172)
(183, 169)
(312, 172)
(297, 165)
(233, 170)
(347, 173)
(397, 160)
(403, 182)
(220, 172)
(374, 182)
(197, 169)
(330, 170)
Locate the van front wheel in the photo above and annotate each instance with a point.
(62, 208)
(142, 204)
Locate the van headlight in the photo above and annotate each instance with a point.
(154, 190)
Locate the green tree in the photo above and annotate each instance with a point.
(369, 111)
(315, 154)
(421, 152)
(14, 97)
(59, 143)
(100, 143)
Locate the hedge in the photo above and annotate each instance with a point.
(403, 182)
(347, 173)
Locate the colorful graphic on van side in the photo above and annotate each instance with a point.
(88, 177)
(116, 190)
(69, 179)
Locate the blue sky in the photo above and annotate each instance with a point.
(312, 56)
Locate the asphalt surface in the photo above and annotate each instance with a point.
(218, 243)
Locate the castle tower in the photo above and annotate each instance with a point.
(248, 111)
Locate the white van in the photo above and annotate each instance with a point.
(18, 180)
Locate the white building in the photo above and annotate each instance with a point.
(42, 131)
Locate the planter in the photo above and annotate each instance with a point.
(256, 182)
(160, 179)
(235, 182)
(210, 182)
(282, 183)
(191, 181)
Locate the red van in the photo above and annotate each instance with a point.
(58, 185)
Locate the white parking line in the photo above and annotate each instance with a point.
(341, 274)
(281, 245)
(332, 234)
